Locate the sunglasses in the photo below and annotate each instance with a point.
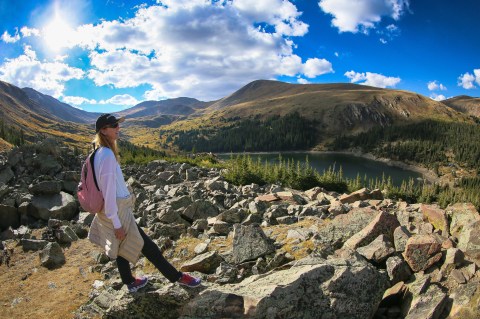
(112, 125)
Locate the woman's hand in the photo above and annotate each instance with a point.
(120, 233)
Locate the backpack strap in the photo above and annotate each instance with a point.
(92, 157)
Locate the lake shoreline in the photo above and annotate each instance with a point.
(427, 174)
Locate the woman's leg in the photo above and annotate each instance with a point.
(154, 255)
(124, 269)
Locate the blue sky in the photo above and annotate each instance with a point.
(108, 55)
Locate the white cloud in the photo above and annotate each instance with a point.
(467, 80)
(123, 99)
(283, 15)
(197, 48)
(28, 32)
(437, 97)
(315, 67)
(77, 100)
(372, 79)
(362, 15)
(434, 85)
(302, 81)
(47, 77)
(7, 38)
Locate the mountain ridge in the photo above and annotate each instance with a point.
(339, 108)
(62, 110)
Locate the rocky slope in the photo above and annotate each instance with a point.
(262, 251)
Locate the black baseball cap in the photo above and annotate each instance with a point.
(107, 119)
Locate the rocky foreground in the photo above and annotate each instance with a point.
(262, 251)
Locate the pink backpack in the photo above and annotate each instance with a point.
(89, 195)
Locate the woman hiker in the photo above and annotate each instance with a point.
(115, 228)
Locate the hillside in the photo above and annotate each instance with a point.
(21, 113)
(61, 110)
(465, 104)
(337, 109)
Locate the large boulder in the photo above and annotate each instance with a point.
(421, 252)
(249, 243)
(335, 233)
(461, 214)
(428, 305)
(200, 209)
(59, 206)
(205, 263)
(46, 187)
(334, 288)
(435, 216)
(383, 224)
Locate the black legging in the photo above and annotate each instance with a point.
(151, 251)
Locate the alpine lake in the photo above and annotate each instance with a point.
(351, 165)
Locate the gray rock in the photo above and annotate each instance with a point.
(221, 228)
(33, 244)
(204, 263)
(170, 231)
(201, 248)
(199, 209)
(339, 289)
(226, 273)
(165, 301)
(249, 243)
(46, 164)
(6, 175)
(339, 230)
(233, 215)
(59, 206)
(400, 237)
(215, 184)
(85, 218)
(384, 223)
(378, 250)
(169, 216)
(46, 188)
(65, 235)
(257, 207)
(469, 240)
(421, 252)
(398, 270)
(299, 233)
(80, 230)
(461, 215)
(200, 224)
(428, 305)
(52, 256)
(9, 217)
(180, 202)
(287, 220)
(252, 219)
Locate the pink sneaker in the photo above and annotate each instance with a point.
(189, 281)
(137, 284)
